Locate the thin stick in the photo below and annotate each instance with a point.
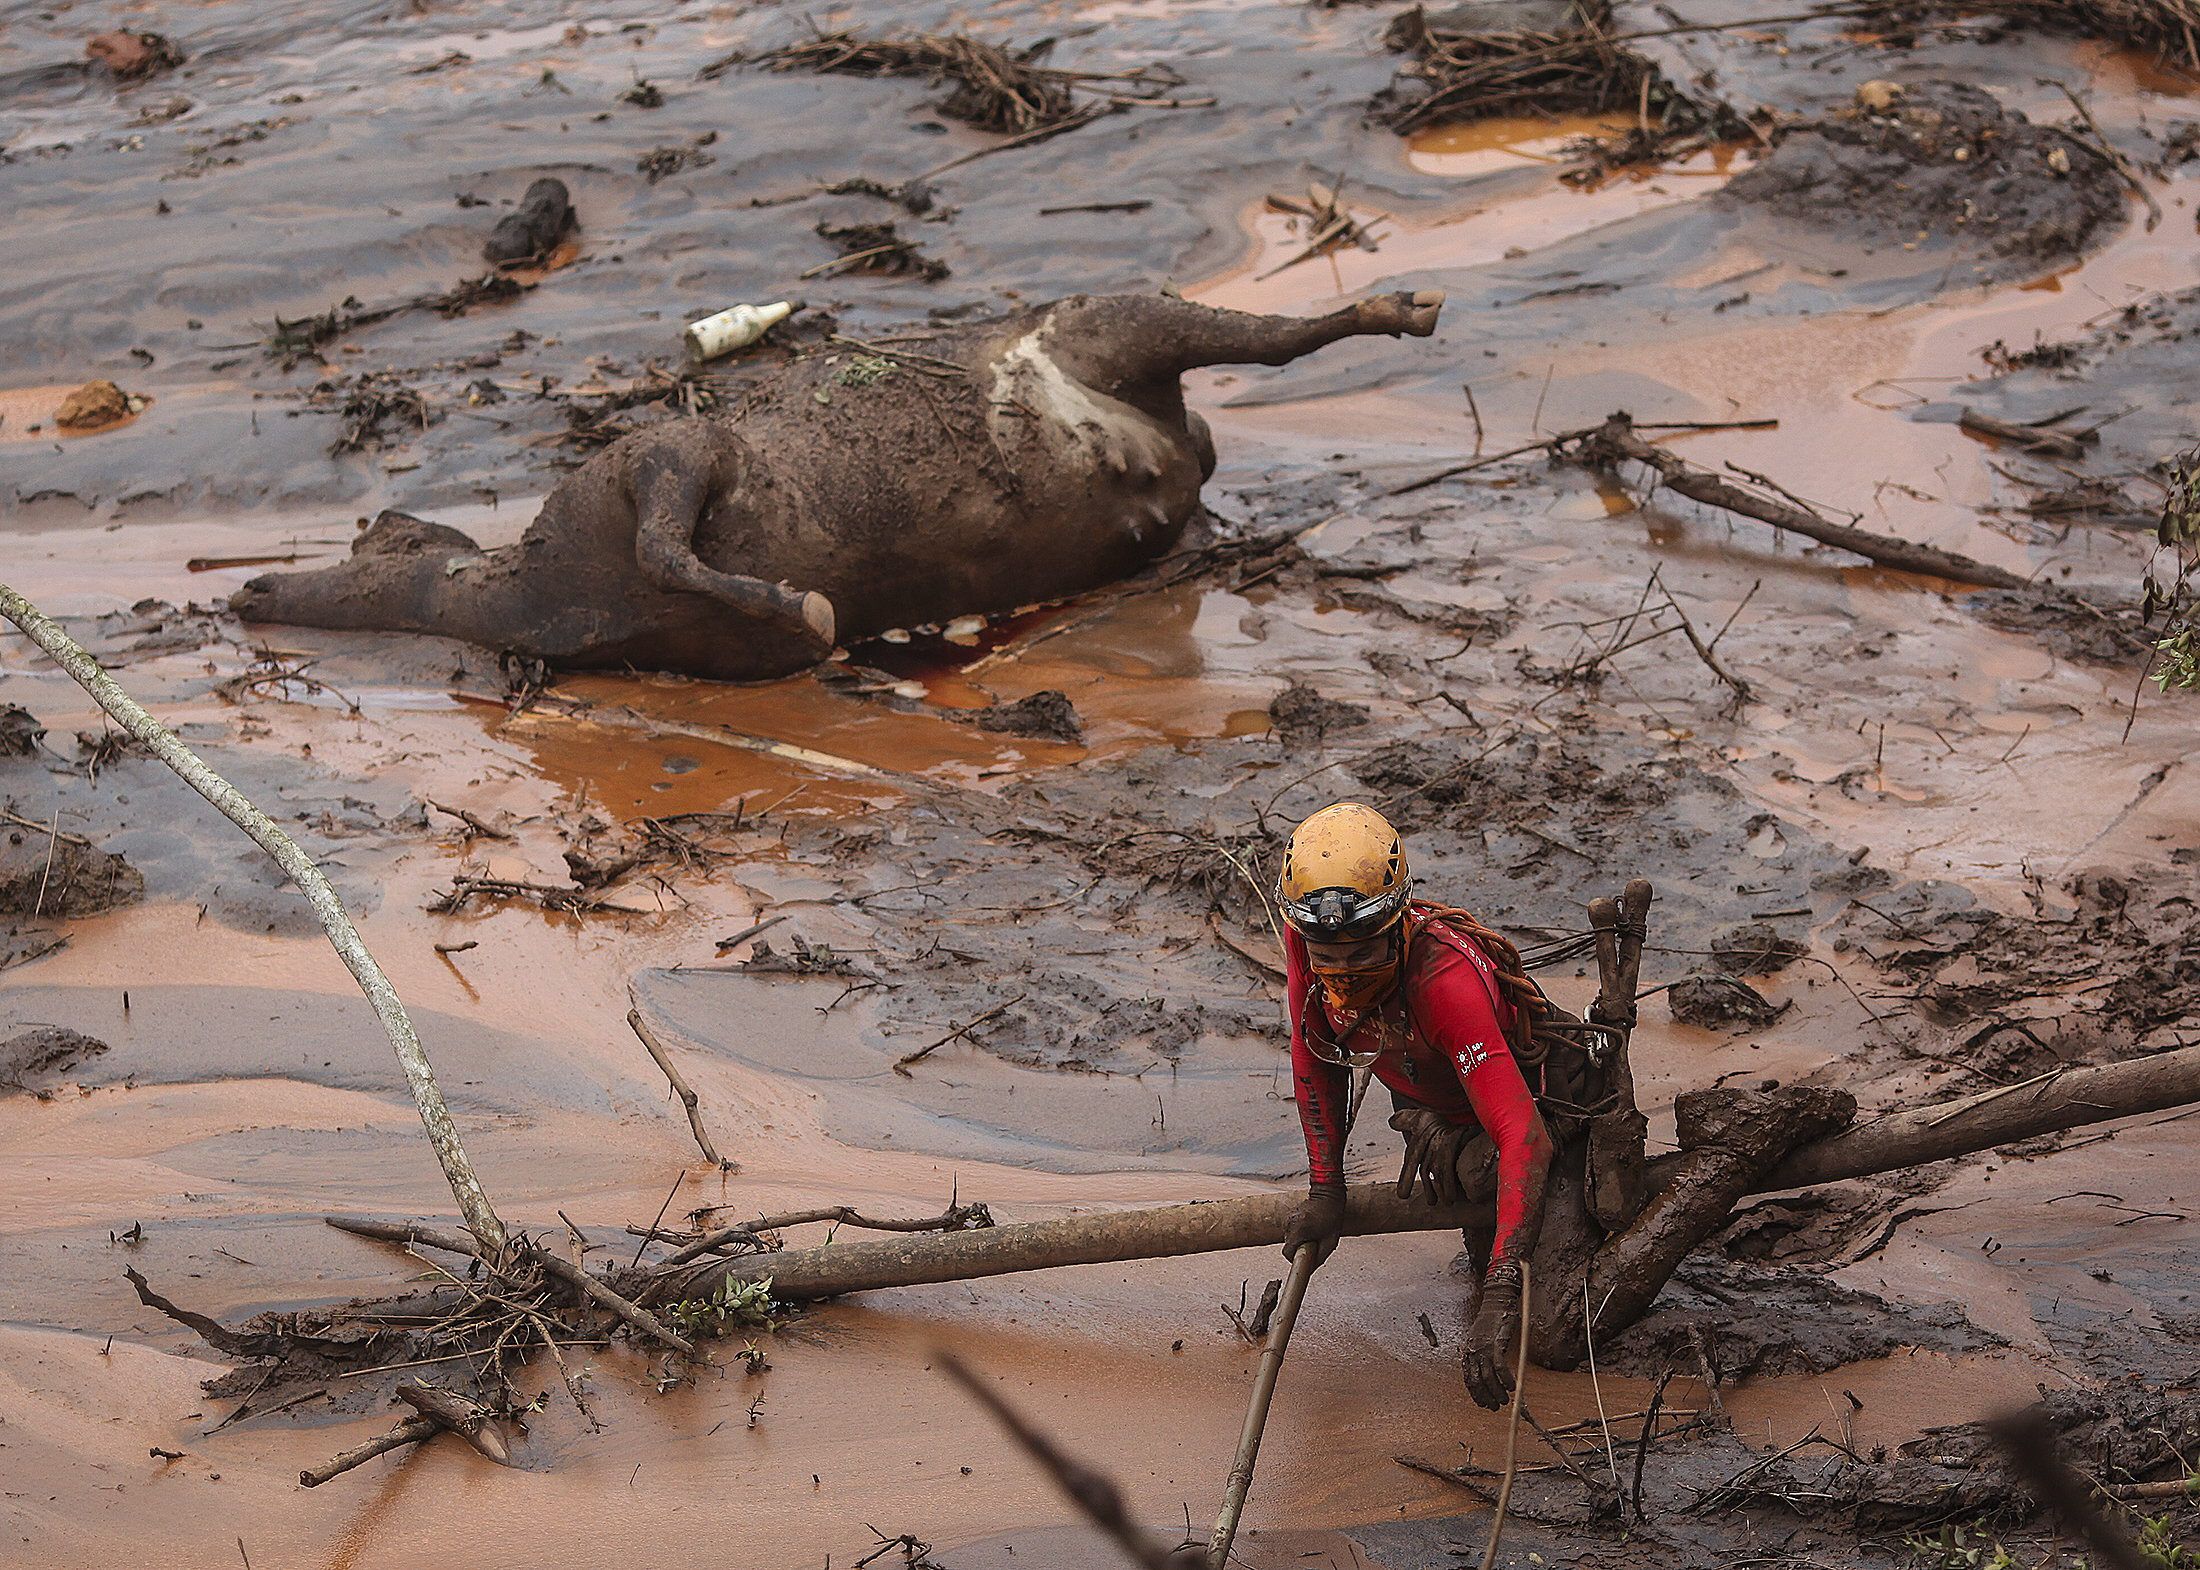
(1271, 1364)
(753, 929)
(632, 1312)
(1616, 439)
(955, 1219)
(901, 1064)
(1042, 133)
(1589, 1330)
(657, 1220)
(1512, 1425)
(2109, 151)
(1256, 1415)
(1427, 480)
(1703, 650)
(680, 1087)
(1090, 1490)
(1649, 1435)
(855, 256)
(435, 1116)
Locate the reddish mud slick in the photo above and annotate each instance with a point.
(246, 1091)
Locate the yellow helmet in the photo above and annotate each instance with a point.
(1344, 875)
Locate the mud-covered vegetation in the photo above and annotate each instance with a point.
(1837, 636)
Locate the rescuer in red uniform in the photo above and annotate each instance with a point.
(1437, 1003)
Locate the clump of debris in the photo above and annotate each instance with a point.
(1045, 716)
(997, 88)
(1943, 161)
(1544, 57)
(876, 248)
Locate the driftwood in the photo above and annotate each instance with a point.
(2068, 1098)
(1615, 442)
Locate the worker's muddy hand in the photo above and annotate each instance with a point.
(1317, 1222)
(1433, 1144)
(1490, 1339)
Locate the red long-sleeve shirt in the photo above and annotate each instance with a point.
(1444, 1048)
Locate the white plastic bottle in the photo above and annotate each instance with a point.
(733, 329)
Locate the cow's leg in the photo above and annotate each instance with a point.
(670, 491)
(1117, 341)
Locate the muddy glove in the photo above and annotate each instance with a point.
(1493, 1341)
(1432, 1155)
(1317, 1222)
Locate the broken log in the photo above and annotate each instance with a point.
(410, 1432)
(2064, 1098)
(1615, 440)
(467, 1418)
(2068, 1098)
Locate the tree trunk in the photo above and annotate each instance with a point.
(2069, 1098)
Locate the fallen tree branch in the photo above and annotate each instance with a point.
(410, 1432)
(1615, 442)
(680, 1087)
(458, 1171)
(2072, 1099)
(957, 1218)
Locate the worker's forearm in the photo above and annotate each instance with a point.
(1523, 1172)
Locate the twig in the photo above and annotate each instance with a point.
(1649, 1435)
(901, 1064)
(1589, 1329)
(1615, 440)
(852, 257)
(473, 821)
(2109, 151)
(680, 1086)
(753, 929)
(1090, 1490)
(1085, 116)
(1739, 687)
(636, 1316)
(1427, 480)
(1512, 1425)
(435, 1116)
(22, 822)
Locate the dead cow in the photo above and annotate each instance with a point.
(985, 467)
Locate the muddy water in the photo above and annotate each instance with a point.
(246, 1091)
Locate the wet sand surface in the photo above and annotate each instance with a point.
(1892, 731)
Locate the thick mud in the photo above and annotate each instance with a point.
(1037, 843)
